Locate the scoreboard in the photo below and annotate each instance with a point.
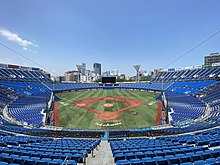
(108, 80)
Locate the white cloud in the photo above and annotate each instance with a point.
(25, 48)
(14, 37)
(29, 50)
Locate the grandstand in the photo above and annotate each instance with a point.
(188, 132)
(193, 74)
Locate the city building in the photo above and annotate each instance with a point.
(59, 79)
(81, 68)
(211, 59)
(97, 68)
(114, 72)
(106, 73)
(90, 76)
(81, 71)
(122, 76)
(71, 76)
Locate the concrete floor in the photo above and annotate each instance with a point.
(102, 156)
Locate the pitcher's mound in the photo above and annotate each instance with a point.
(80, 104)
(107, 105)
(108, 115)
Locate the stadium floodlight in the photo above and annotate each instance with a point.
(137, 67)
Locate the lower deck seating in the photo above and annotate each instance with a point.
(31, 101)
(36, 150)
(191, 148)
(29, 109)
(211, 96)
(6, 97)
(184, 107)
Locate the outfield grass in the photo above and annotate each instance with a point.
(71, 116)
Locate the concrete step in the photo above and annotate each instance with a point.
(102, 155)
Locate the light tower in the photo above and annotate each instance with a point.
(137, 67)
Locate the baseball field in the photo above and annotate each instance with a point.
(107, 109)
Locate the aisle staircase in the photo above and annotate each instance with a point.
(102, 155)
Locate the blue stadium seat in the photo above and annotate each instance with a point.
(210, 161)
(70, 162)
(174, 160)
(130, 155)
(135, 162)
(3, 163)
(199, 162)
(122, 162)
(187, 163)
(139, 155)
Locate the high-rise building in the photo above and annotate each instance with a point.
(106, 73)
(212, 58)
(83, 68)
(97, 68)
(114, 72)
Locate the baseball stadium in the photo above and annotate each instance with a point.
(148, 99)
(44, 122)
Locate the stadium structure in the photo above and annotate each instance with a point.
(185, 129)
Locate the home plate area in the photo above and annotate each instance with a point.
(108, 115)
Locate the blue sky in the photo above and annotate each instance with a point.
(116, 33)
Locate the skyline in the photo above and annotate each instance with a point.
(118, 34)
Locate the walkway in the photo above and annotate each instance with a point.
(102, 156)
